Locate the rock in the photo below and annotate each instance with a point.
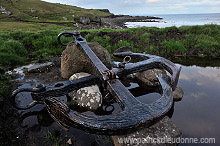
(69, 142)
(40, 67)
(2, 8)
(4, 11)
(64, 18)
(33, 11)
(88, 19)
(95, 19)
(74, 61)
(105, 10)
(149, 77)
(84, 20)
(90, 97)
(164, 130)
(178, 94)
(123, 49)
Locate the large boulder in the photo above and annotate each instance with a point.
(89, 98)
(148, 78)
(74, 61)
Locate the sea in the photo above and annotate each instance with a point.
(179, 20)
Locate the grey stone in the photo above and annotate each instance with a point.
(64, 18)
(4, 11)
(33, 11)
(74, 61)
(95, 19)
(2, 8)
(163, 130)
(84, 20)
(90, 97)
(178, 94)
(148, 78)
(40, 67)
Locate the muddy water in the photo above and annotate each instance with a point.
(196, 115)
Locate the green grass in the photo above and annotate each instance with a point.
(186, 41)
(19, 47)
(23, 47)
(37, 14)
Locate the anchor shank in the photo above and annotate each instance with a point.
(96, 62)
(122, 94)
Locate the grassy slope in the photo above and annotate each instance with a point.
(50, 14)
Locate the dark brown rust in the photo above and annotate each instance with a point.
(134, 112)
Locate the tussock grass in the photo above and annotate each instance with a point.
(203, 40)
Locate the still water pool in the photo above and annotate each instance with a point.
(197, 115)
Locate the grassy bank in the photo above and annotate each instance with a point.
(20, 47)
(168, 42)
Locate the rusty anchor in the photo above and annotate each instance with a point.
(134, 113)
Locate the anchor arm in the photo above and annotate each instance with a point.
(134, 114)
(39, 94)
(148, 62)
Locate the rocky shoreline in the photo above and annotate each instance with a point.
(114, 21)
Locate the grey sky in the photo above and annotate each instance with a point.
(141, 7)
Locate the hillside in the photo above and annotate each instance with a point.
(43, 13)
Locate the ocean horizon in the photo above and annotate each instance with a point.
(179, 20)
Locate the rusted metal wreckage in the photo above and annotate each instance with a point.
(134, 113)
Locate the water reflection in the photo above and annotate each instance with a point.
(197, 114)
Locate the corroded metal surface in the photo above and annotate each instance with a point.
(134, 113)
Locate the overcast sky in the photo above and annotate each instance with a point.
(144, 7)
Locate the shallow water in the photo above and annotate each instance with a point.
(196, 115)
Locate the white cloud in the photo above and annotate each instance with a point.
(152, 1)
(148, 6)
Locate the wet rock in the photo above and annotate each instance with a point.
(42, 67)
(148, 78)
(74, 61)
(178, 94)
(90, 97)
(164, 130)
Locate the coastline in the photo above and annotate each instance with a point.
(117, 22)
